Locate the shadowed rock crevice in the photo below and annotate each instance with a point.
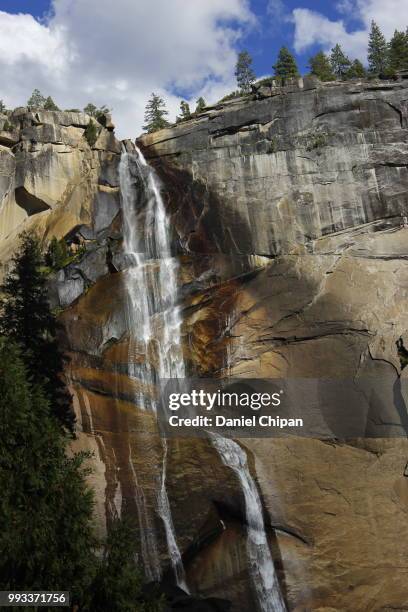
(29, 202)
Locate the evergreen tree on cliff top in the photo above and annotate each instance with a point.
(185, 112)
(320, 66)
(46, 539)
(340, 63)
(243, 71)
(27, 320)
(155, 114)
(356, 70)
(36, 100)
(200, 105)
(285, 66)
(398, 51)
(49, 104)
(377, 50)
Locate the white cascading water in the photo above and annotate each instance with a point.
(154, 319)
(261, 566)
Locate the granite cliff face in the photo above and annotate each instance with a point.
(287, 213)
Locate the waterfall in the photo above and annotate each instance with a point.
(261, 566)
(153, 319)
(155, 353)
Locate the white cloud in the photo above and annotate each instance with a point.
(118, 53)
(314, 28)
(276, 9)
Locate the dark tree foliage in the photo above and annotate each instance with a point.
(185, 112)
(91, 133)
(36, 100)
(49, 104)
(356, 70)
(155, 114)
(285, 66)
(46, 536)
(340, 63)
(94, 111)
(398, 51)
(200, 105)
(377, 51)
(57, 254)
(118, 584)
(243, 72)
(320, 66)
(27, 320)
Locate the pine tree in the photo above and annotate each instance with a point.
(94, 111)
(200, 105)
(36, 100)
(285, 66)
(90, 109)
(340, 63)
(185, 112)
(155, 114)
(398, 51)
(118, 583)
(356, 70)
(320, 66)
(49, 104)
(27, 320)
(377, 51)
(243, 71)
(46, 539)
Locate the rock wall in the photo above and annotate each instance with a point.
(287, 210)
(314, 183)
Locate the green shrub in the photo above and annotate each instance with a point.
(91, 133)
(317, 141)
(59, 254)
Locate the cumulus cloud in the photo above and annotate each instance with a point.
(312, 27)
(118, 53)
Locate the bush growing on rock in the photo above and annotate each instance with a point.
(91, 133)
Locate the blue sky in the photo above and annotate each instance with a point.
(263, 41)
(117, 53)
